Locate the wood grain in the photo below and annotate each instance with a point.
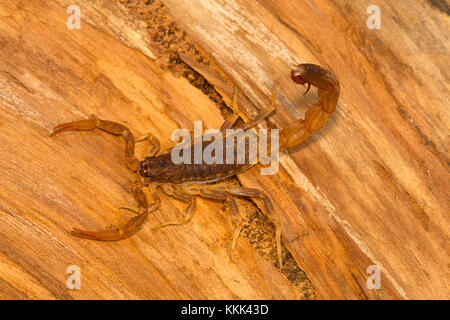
(376, 178)
(370, 188)
(50, 74)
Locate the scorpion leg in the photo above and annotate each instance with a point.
(266, 112)
(190, 193)
(217, 192)
(131, 227)
(189, 213)
(111, 127)
(255, 193)
(228, 124)
(154, 142)
(234, 210)
(222, 191)
(176, 193)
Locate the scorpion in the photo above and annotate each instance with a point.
(187, 182)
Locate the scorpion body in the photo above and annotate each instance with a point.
(161, 168)
(187, 182)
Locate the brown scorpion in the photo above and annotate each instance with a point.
(187, 182)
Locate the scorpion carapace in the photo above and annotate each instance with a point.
(162, 169)
(187, 182)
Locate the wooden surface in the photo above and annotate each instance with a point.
(370, 188)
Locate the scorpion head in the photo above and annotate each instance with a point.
(155, 168)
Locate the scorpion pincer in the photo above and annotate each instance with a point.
(187, 182)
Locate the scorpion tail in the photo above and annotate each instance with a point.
(315, 118)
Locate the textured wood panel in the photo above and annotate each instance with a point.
(370, 188)
(50, 74)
